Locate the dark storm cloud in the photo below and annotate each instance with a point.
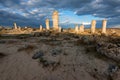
(9, 18)
(36, 11)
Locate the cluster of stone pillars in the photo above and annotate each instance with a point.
(55, 18)
(79, 29)
(93, 27)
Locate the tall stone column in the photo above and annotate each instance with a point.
(81, 28)
(93, 26)
(15, 26)
(104, 23)
(55, 18)
(47, 24)
(76, 29)
(41, 28)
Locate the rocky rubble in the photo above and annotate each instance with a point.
(111, 50)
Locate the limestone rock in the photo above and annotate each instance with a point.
(55, 18)
(109, 49)
(47, 24)
(15, 26)
(41, 28)
(76, 29)
(104, 23)
(81, 29)
(93, 26)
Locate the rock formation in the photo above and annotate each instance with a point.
(104, 23)
(15, 26)
(60, 29)
(47, 24)
(19, 28)
(81, 29)
(55, 18)
(93, 26)
(41, 28)
(76, 29)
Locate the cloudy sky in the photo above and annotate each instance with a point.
(71, 12)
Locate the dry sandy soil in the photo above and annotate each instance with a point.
(73, 61)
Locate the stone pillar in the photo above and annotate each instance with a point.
(15, 26)
(55, 18)
(81, 28)
(93, 26)
(76, 29)
(41, 28)
(19, 28)
(104, 23)
(60, 29)
(47, 24)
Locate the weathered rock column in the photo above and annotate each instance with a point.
(60, 29)
(55, 18)
(93, 26)
(41, 28)
(19, 28)
(47, 24)
(15, 26)
(76, 29)
(104, 23)
(81, 29)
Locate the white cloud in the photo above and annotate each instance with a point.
(86, 23)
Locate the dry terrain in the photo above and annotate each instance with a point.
(64, 56)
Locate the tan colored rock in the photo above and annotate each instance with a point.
(60, 29)
(15, 26)
(93, 26)
(41, 28)
(47, 24)
(55, 18)
(19, 28)
(76, 29)
(104, 23)
(81, 29)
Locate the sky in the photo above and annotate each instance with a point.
(71, 12)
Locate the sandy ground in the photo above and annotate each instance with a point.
(75, 63)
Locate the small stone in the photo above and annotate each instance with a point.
(38, 55)
(112, 69)
(56, 52)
